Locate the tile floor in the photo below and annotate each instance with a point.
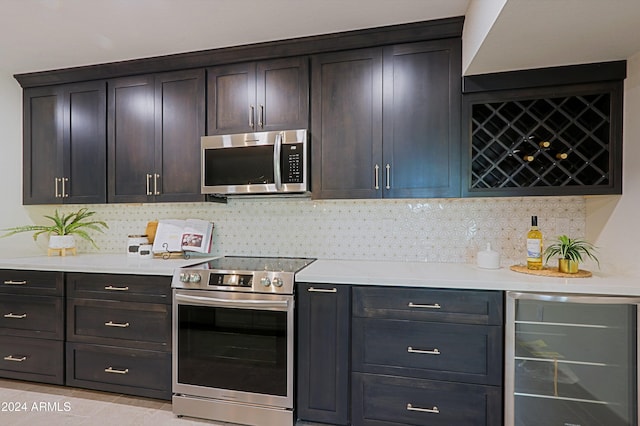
(35, 404)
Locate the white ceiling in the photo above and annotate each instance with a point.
(38, 35)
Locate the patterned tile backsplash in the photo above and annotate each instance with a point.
(430, 230)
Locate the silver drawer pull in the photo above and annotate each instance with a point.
(12, 315)
(434, 351)
(433, 410)
(112, 288)
(12, 358)
(322, 290)
(116, 324)
(115, 371)
(12, 282)
(415, 305)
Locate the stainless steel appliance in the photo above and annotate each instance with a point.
(571, 360)
(255, 163)
(233, 340)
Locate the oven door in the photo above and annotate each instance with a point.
(233, 346)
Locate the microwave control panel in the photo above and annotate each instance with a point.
(292, 163)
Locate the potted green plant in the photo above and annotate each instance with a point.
(571, 252)
(61, 232)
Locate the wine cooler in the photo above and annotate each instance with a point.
(571, 360)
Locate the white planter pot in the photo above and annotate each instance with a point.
(62, 241)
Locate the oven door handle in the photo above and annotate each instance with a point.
(280, 305)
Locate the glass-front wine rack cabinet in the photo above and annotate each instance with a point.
(571, 360)
(547, 141)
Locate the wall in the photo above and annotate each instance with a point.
(612, 221)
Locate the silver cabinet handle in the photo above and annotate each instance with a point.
(156, 176)
(251, 110)
(149, 184)
(322, 290)
(12, 358)
(65, 194)
(416, 305)
(434, 351)
(12, 315)
(113, 288)
(261, 117)
(388, 167)
(433, 410)
(116, 371)
(376, 177)
(116, 324)
(57, 193)
(11, 282)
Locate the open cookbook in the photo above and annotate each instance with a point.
(176, 235)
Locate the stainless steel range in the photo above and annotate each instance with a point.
(233, 340)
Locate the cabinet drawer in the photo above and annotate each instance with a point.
(456, 352)
(420, 304)
(124, 370)
(132, 288)
(135, 325)
(395, 401)
(32, 316)
(42, 283)
(39, 360)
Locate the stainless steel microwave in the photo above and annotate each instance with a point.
(255, 163)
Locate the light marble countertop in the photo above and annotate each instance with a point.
(100, 263)
(358, 272)
(460, 276)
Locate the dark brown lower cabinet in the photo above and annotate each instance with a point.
(115, 342)
(424, 356)
(32, 326)
(398, 401)
(118, 369)
(323, 341)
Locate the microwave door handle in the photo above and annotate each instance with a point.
(280, 305)
(277, 149)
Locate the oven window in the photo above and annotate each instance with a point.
(234, 349)
(239, 166)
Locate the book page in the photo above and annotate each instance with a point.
(168, 236)
(196, 235)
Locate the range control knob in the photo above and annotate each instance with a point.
(194, 277)
(265, 282)
(277, 282)
(184, 277)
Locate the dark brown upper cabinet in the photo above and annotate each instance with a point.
(258, 96)
(65, 144)
(155, 125)
(527, 134)
(385, 121)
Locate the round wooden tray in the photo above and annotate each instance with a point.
(550, 272)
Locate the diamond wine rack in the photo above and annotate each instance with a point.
(541, 142)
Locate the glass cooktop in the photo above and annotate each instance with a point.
(271, 264)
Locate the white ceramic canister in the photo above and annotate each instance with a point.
(489, 259)
(134, 242)
(145, 251)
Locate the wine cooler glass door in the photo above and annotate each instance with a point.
(571, 360)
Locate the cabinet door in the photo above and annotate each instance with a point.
(42, 155)
(85, 143)
(346, 124)
(421, 119)
(131, 139)
(323, 353)
(282, 99)
(231, 99)
(179, 121)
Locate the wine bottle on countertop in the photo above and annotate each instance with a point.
(534, 246)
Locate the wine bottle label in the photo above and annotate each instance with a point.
(534, 247)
